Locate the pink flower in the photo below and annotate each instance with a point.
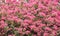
(27, 21)
(20, 30)
(45, 34)
(31, 12)
(55, 27)
(3, 24)
(42, 14)
(32, 27)
(47, 28)
(54, 32)
(9, 35)
(8, 1)
(27, 32)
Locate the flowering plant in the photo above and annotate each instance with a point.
(30, 18)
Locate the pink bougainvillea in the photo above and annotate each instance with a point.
(30, 18)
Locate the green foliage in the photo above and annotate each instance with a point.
(35, 6)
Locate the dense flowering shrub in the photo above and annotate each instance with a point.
(30, 18)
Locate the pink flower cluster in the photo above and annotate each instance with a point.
(30, 18)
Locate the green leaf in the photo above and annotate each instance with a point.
(12, 26)
(40, 16)
(6, 28)
(0, 16)
(35, 6)
(45, 22)
(58, 7)
(26, 0)
(8, 21)
(30, 34)
(35, 19)
(19, 15)
(16, 33)
(16, 24)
